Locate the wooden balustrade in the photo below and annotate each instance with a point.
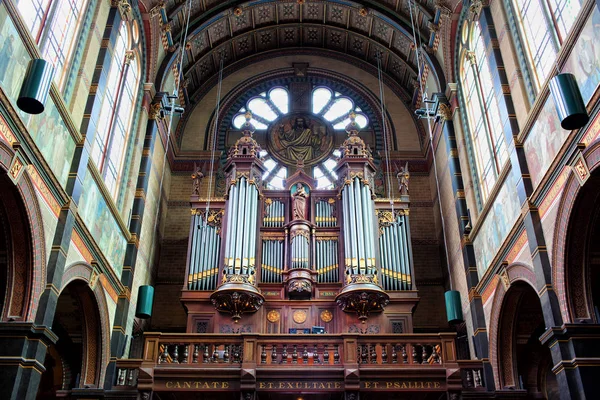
(294, 352)
(299, 350)
(127, 373)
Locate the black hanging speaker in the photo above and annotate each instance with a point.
(36, 86)
(569, 103)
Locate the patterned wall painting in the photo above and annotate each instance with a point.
(544, 141)
(101, 223)
(498, 223)
(584, 61)
(47, 129)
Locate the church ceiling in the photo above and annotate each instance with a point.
(237, 31)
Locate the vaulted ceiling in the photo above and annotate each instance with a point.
(239, 32)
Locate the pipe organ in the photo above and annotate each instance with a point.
(327, 260)
(281, 247)
(394, 249)
(272, 261)
(205, 245)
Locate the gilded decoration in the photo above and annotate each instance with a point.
(273, 316)
(300, 137)
(299, 316)
(326, 316)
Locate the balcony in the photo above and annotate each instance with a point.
(299, 363)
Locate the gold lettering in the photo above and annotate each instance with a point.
(205, 385)
(271, 385)
(177, 385)
(289, 385)
(197, 384)
(281, 385)
(388, 385)
(436, 385)
(338, 385)
(428, 385)
(187, 385)
(169, 384)
(404, 385)
(261, 385)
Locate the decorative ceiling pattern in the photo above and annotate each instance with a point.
(234, 31)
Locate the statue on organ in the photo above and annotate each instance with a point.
(299, 201)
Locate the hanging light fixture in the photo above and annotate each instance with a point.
(568, 101)
(36, 86)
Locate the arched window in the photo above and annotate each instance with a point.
(116, 113)
(544, 26)
(483, 114)
(326, 103)
(54, 25)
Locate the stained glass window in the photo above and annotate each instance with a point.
(544, 26)
(329, 105)
(483, 114)
(53, 25)
(116, 112)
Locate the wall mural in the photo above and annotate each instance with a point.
(584, 60)
(299, 137)
(101, 223)
(47, 129)
(544, 141)
(498, 223)
(546, 136)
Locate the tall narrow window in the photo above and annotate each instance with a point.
(544, 26)
(54, 25)
(483, 114)
(116, 113)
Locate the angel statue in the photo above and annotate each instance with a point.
(403, 177)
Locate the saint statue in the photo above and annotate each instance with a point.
(300, 142)
(299, 199)
(197, 176)
(403, 177)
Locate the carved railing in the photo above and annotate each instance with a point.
(231, 352)
(127, 373)
(311, 350)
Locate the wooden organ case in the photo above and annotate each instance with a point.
(297, 260)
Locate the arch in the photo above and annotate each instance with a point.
(27, 275)
(97, 323)
(502, 363)
(272, 32)
(366, 99)
(569, 280)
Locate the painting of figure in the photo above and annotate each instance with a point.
(101, 223)
(299, 138)
(13, 57)
(544, 141)
(584, 61)
(498, 223)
